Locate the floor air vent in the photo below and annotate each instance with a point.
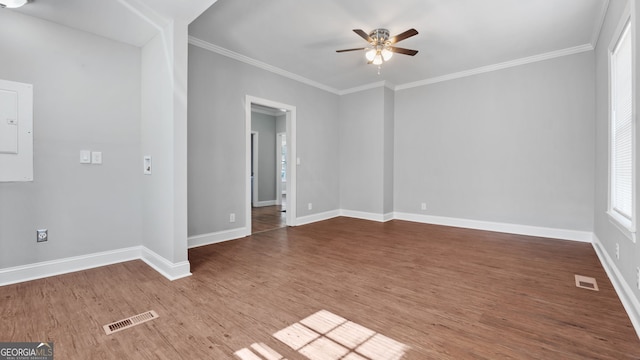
(585, 282)
(129, 322)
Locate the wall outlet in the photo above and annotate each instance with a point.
(617, 251)
(423, 206)
(42, 235)
(232, 217)
(638, 277)
(310, 206)
(146, 163)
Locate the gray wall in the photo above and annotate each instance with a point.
(265, 125)
(608, 234)
(362, 150)
(281, 124)
(367, 151)
(511, 146)
(388, 150)
(216, 135)
(86, 96)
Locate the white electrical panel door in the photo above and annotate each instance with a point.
(16, 131)
(8, 122)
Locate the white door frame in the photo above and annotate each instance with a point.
(291, 158)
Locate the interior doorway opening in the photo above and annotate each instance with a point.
(271, 179)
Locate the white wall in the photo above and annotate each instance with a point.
(607, 234)
(157, 141)
(512, 146)
(86, 96)
(216, 133)
(164, 138)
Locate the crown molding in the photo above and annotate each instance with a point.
(481, 70)
(499, 66)
(247, 60)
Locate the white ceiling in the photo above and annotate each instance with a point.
(454, 35)
(108, 18)
(300, 37)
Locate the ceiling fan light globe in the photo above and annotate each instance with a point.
(377, 60)
(12, 4)
(386, 54)
(370, 55)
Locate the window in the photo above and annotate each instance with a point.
(622, 133)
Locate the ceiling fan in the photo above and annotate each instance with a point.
(381, 48)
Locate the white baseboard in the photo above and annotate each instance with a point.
(216, 237)
(170, 270)
(265, 203)
(18, 274)
(562, 234)
(624, 291)
(367, 215)
(304, 220)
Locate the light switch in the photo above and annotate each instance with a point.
(85, 156)
(96, 157)
(297, 161)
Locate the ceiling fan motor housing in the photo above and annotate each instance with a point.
(379, 37)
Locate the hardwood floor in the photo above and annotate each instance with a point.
(439, 292)
(267, 218)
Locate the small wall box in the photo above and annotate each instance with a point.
(16, 131)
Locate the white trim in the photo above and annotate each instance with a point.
(317, 217)
(626, 226)
(46, 269)
(624, 291)
(500, 66)
(554, 233)
(291, 156)
(489, 68)
(265, 203)
(623, 225)
(216, 237)
(170, 270)
(367, 215)
(270, 112)
(259, 64)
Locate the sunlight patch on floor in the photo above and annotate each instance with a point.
(327, 336)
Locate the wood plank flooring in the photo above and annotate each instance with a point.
(445, 293)
(267, 218)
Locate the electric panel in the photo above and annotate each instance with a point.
(8, 122)
(16, 131)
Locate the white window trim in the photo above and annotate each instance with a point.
(625, 225)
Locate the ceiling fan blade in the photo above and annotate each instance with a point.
(363, 35)
(345, 50)
(403, 51)
(407, 34)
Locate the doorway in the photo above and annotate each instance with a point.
(263, 211)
